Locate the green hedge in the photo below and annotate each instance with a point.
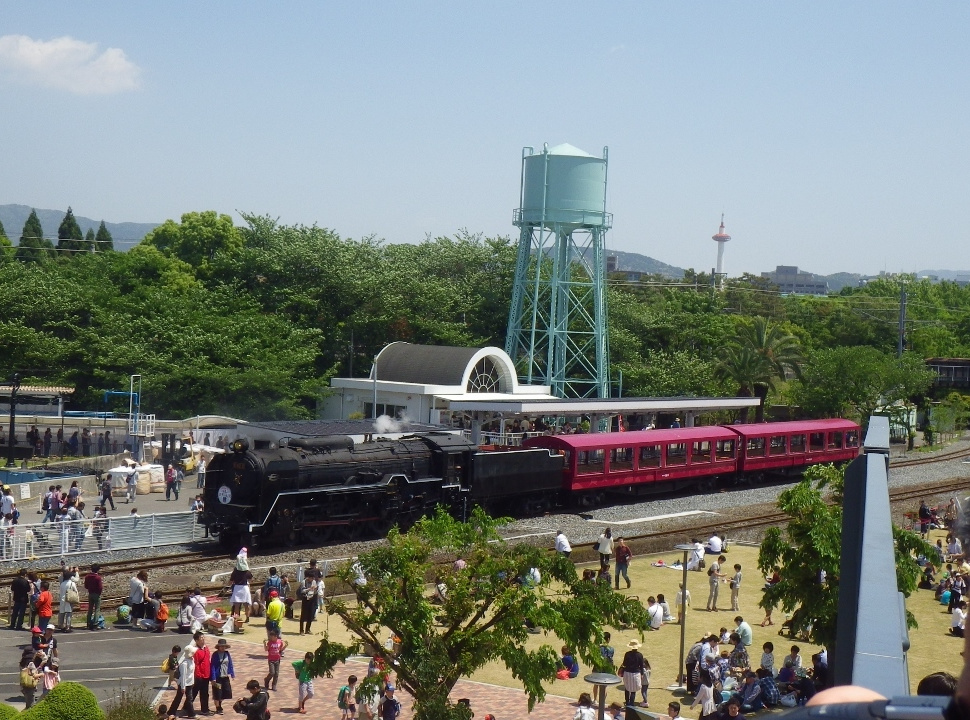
(68, 701)
(8, 712)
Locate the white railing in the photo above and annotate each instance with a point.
(64, 538)
(508, 439)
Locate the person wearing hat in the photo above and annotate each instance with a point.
(221, 672)
(275, 609)
(388, 707)
(185, 682)
(52, 676)
(253, 707)
(631, 671)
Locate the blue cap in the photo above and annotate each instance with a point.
(389, 687)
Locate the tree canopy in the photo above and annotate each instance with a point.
(811, 543)
(69, 236)
(33, 246)
(488, 604)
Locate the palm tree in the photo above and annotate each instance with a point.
(760, 354)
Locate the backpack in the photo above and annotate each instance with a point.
(162, 614)
(27, 681)
(166, 665)
(273, 582)
(710, 570)
(46, 504)
(342, 697)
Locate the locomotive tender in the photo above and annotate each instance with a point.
(326, 489)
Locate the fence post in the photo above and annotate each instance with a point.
(153, 532)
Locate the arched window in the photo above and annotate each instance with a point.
(484, 377)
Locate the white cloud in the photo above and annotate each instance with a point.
(67, 64)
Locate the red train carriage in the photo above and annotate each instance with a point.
(786, 446)
(652, 461)
(646, 461)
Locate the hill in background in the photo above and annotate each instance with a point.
(125, 234)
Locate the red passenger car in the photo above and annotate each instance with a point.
(776, 447)
(652, 461)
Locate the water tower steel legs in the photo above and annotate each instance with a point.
(558, 317)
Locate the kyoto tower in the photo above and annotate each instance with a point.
(721, 238)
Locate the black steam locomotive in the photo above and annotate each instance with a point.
(328, 489)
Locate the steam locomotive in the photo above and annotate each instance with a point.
(327, 489)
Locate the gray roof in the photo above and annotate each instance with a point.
(323, 428)
(423, 364)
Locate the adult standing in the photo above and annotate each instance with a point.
(132, 486)
(714, 575)
(106, 492)
(34, 579)
(222, 674)
(86, 443)
(308, 603)
(171, 483)
(20, 591)
(241, 595)
(185, 683)
(623, 557)
(200, 472)
(562, 544)
(604, 546)
(94, 584)
(317, 574)
(48, 438)
(632, 670)
(69, 598)
(275, 609)
(137, 594)
(203, 671)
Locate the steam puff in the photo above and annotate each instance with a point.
(387, 424)
(67, 64)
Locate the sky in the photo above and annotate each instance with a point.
(832, 135)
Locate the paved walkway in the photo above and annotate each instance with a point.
(249, 662)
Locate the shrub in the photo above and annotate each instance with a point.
(8, 712)
(135, 703)
(68, 701)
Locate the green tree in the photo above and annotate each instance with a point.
(6, 247)
(69, 236)
(859, 381)
(88, 244)
(483, 617)
(199, 238)
(812, 542)
(33, 246)
(103, 242)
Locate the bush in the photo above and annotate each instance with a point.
(68, 701)
(8, 712)
(135, 703)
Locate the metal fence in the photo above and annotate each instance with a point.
(65, 538)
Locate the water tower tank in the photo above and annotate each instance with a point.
(563, 185)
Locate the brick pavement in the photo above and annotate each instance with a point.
(249, 662)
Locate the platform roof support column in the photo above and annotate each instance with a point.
(476, 428)
(689, 418)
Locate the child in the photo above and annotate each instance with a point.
(221, 671)
(615, 711)
(346, 699)
(274, 647)
(724, 663)
(768, 657)
(171, 664)
(301, 669)
(51, 676)
(735, 586)
(161, 712)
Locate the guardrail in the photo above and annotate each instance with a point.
(74, 537)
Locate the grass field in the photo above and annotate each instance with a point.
(933, 648)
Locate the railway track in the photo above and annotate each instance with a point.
(941, 457)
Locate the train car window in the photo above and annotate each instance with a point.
(797, 443)
(677, 454)
(649, 456)
(852, 439)
(835, 441)
(756, 447)
(700, 452)
(568, 454)
(621, 459)
(816, 441)
(724, 450)
(589, 462)
(777, 446)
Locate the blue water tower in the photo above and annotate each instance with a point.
(557, 331)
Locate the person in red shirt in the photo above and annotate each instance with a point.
(203, 669)
(44, 605)
(95, 586)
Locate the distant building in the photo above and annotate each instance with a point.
(950, 372)
(612, 263)
(790, 280)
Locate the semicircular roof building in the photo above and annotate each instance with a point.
(420, 382)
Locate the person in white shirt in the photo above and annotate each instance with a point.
(655, 613)
(958, 619)
(715, 545)
(682, 598)
(604, 546)
(200, 473)
(696, 556)
(6, 501)
(562, 543)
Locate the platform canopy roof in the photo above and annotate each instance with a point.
(599, 406)
(37, 391)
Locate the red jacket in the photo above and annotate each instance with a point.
(43, 605)
(203, 667)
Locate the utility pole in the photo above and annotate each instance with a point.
(902, 321)
(12, 440)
